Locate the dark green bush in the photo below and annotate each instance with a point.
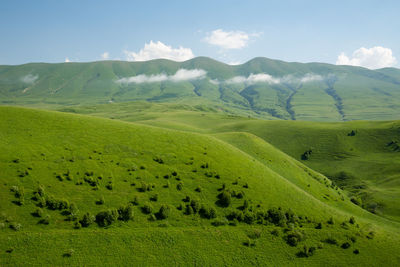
(189, 210)
(147, 208)
(198, 189)
(306, 252)
(154, 197)
(236, 215)
(125, 213)
(356, 200)
(331, 241)
(38, 212)
(179, 186)
(276, 216)
(345, 245)
(107, 217)
(163, 213)
(225, 198)
(208, 213)
(352, 220)
(195, 204)
(45, 220)
(294, 237)
(331, 221)
(319, 226)
(87, 219)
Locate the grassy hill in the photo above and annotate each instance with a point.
(296, 91)
(364, 164)
(82, 190)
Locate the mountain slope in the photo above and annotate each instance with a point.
(293, 91)
(100, 164)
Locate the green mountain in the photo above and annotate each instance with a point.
(79, 190)
(263, 87)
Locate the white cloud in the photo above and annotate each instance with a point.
(234, 63)
(29, 78)
(67, 60)
(229, 39)
(105, 55)
(179, 76)
(373, 58)
(266, 78)
(156, 50)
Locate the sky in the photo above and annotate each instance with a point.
(363, 33)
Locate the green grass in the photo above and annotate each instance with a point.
(369, 162)
(37, 146)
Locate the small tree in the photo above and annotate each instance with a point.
(147, 208)
(87, 219)
(125, 212)
(163, 213)
(225, 198)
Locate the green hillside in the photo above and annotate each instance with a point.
(366, 164)
(292, 91)
(145, 195)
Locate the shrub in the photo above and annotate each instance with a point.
(306, 252)
(77, 225)
(15, 226)
(356, 251)
(135, 201)
(125, 213)
(154, 197)
(245, 204)
(45, 220)
(239, 195)
(249, 243)
(319, 226)
(208, 213)
(294, 237)
(101, 201)
(225, 198)
(275, 232)
(195, 204)
(38, 212)
(87, 219)
(163, 212)
(356, 200)
(236, 215)
(330, 221)
(110, 185)
(147, 208)
(276, 216)
(106, 218)
(345, 245)
(219, 222)
(69, 253)
(249, 217)
(152, 218)
(331, 241)
(179, 186)
(189, 210)
(352, 220)
(198, 189)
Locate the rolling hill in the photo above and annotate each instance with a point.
(262, 87)
(80, 190)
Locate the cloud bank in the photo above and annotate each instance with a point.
(373, 58)
(229, 39)
(29, 79)
(266, 78)
(105, 56)
(154, 50)
(179, 76)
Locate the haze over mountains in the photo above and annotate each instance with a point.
(261, 87)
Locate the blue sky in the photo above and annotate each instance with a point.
(229, 31)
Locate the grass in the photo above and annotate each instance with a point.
(59, 151)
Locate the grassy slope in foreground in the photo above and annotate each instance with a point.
(60, 151)
(365, 164)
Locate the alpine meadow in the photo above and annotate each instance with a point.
(172, 159)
